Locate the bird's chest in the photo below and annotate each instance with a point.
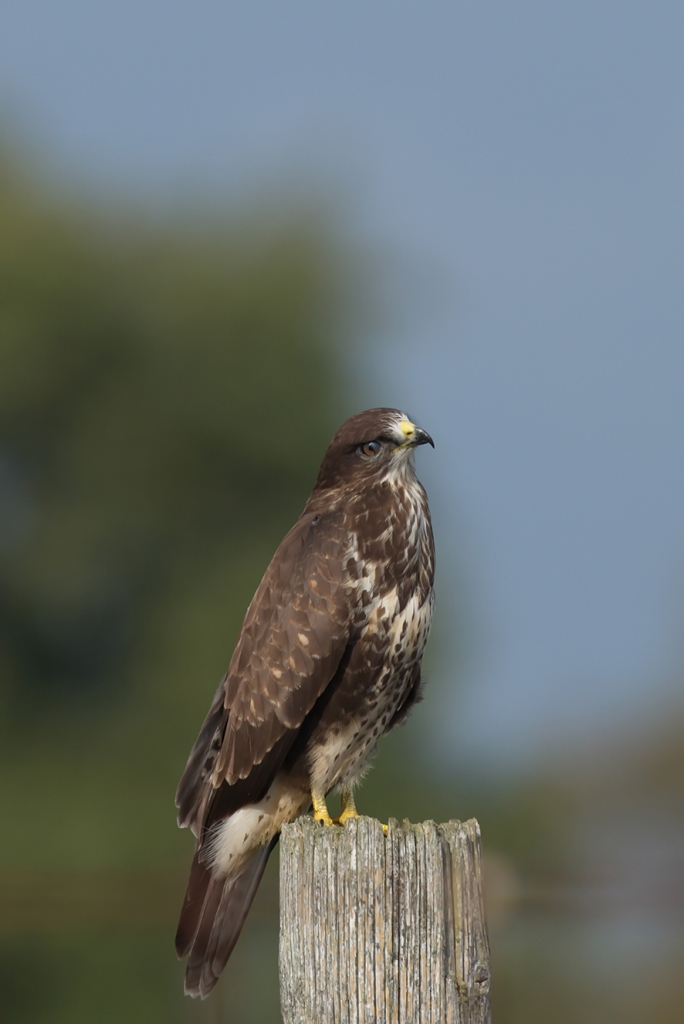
(390, 649)
(390, 579)
(377, 681)
(394, 598)
(392, 567)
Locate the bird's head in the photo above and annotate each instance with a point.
(373, 445)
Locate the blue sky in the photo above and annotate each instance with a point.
(518, 170)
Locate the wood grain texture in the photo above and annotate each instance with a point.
(379, 929)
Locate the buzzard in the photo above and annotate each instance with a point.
(327, 661)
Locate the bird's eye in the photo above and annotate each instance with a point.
(370, 448)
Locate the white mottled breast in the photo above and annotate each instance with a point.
(399, 632)
(341, 760)
(412, 624)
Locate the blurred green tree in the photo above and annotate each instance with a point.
(166, 390)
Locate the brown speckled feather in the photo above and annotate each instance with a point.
(293, 637)
(294, 634)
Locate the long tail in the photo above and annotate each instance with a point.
(212, 917)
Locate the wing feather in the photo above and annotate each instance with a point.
(293, 637)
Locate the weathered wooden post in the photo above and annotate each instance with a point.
(379, 929)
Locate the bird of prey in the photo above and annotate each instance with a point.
(327, 661)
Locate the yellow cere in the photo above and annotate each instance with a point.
(408, 429)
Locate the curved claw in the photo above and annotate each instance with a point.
(345, 816)
(323, 818)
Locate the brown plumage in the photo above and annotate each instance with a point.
(327, 661)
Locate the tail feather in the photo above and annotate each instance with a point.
(193, 905)
(217, 900)
(213, 914)
(227, 931)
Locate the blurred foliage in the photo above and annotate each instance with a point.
(166, 390)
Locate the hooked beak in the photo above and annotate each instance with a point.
(421, 437)
(414, 435)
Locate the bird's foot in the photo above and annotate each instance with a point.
(320, 810)
(322, 815)
(345, 816)
(348, 809)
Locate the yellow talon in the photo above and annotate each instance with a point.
(320, 810)
(348, 809)
(322, 815)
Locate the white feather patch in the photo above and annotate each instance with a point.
(254, 825)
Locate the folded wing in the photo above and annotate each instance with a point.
(293, 638)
